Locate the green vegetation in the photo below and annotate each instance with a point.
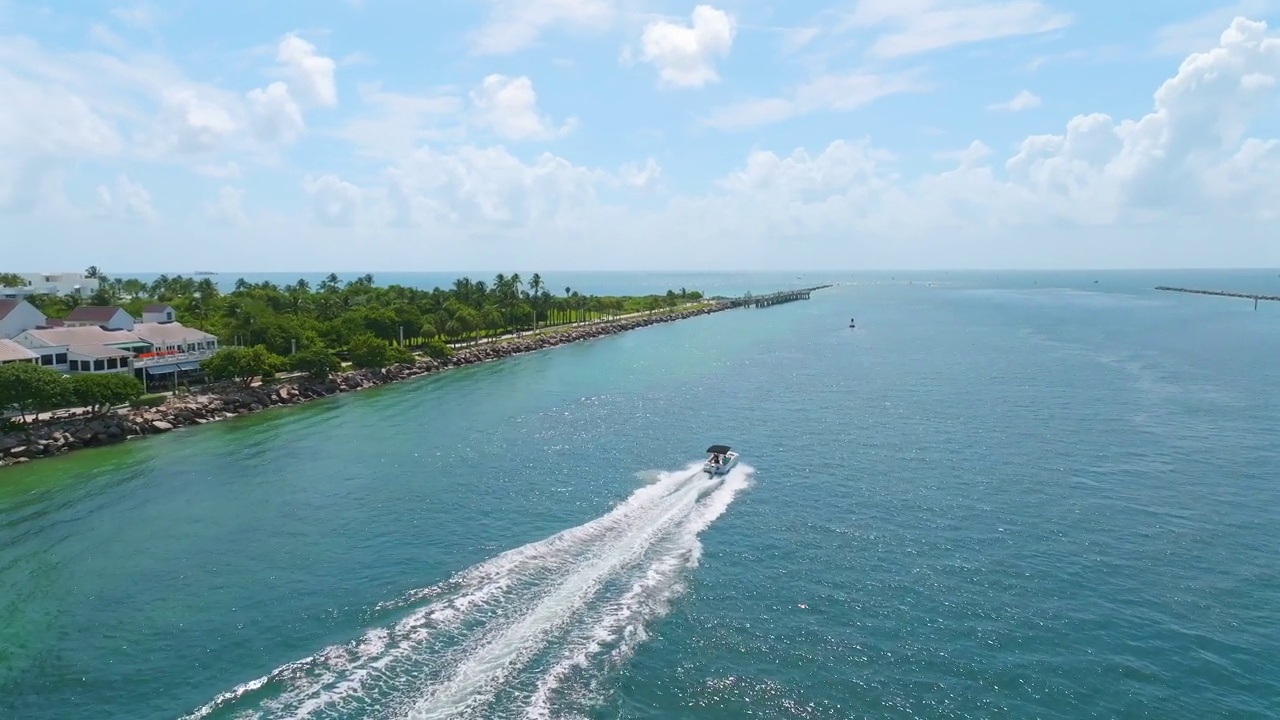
(101, 392)
(149, 401)
(333, 315)
(242, 364)
(31, 388)
(12, 280)
(319, 363)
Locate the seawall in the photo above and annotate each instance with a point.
(50, 439)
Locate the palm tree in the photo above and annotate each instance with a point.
(93, 272)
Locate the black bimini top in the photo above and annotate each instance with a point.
(718, 449)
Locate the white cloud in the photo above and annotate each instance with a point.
(925, 25)
(139, 15)
(310, 74)
(1183, 38)
(685, 56)
(275, 116)
(228, 209)
(397, 123)
(828, 92)
(226, 171)
(335, 202)
(197, 124)
(125, 200)
(1024, 100)
(641, 178)
(515, 25)
(1104, 190)
(509, 106)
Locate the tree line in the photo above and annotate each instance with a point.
(267, 328)
(333, 315)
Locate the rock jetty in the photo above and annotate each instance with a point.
(49, 439)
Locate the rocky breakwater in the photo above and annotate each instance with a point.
(50, 439)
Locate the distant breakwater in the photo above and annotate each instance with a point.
(53, 438)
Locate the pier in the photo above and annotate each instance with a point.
(786, 296)
(1222, 293)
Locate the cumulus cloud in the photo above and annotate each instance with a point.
(1089, 189)
(685, 56)
(310, 73)
(335, 202)
(509, 107)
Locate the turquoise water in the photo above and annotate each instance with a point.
(1000, 496)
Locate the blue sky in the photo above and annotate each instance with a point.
(637, 134)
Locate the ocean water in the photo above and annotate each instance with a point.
(1002, 495)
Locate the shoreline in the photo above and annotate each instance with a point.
(59, 437)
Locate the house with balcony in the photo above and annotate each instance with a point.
(106, 316)
(12, 352)
(83, 349)
(175, 349)
(17, 315)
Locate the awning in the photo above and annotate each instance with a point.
(186, 367)
(162, 370)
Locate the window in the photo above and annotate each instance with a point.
(113, 364)
(75, 365)
(99, 365)
(169, 315)
(46, 359)
(60, 359)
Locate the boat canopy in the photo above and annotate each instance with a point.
(718, 449)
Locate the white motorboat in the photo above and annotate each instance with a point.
(721, 461)
(851, 323)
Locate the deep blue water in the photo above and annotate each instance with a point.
(1013, 495)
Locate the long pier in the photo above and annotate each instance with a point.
(786, 296)
(1222, 293)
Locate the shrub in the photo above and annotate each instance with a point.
(101, 392)
(316, 362)
(148, 401)
(436, 348)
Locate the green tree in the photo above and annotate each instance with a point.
(12, 280)
(103, 391)
(242, 364)
(31, 388)
(367, 351)
(317, 362)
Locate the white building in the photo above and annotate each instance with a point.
(159, 313)
(12, 352)
(107, 316)
(84, 349)
(18, 315)
(52, 284)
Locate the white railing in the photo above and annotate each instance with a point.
(169, 359)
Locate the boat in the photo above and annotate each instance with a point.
(851, 323)
(721, 461)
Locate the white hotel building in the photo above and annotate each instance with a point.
(96, 339)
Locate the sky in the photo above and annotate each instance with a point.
(318, 135)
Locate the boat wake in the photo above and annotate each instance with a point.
(531, 633)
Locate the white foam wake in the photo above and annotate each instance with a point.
(529, 633)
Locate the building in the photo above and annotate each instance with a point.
(107, 316)
(18, 315)
(52, 284)
(175, 349)
(12, 352)
(84, 349)
(158, 313)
